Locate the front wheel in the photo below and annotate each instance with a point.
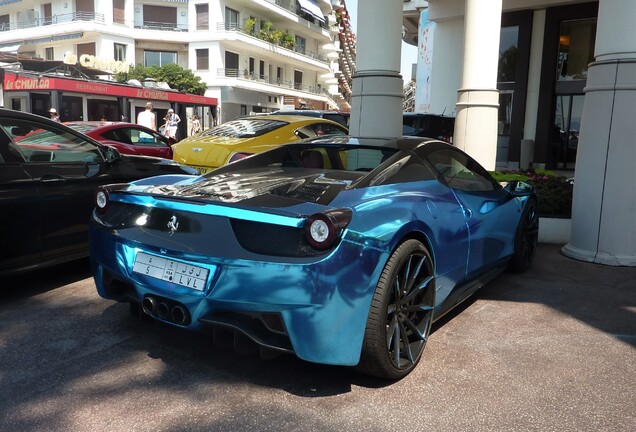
(401, 313)
(526, 237)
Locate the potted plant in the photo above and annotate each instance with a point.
(266, 28)
(288, 41)
(249, 25)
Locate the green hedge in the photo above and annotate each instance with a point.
(554, 192)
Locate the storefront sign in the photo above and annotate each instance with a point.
(24, 83)
(91, 61)
(29, 82)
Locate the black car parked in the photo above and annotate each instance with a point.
(48, 176)
(428, 125)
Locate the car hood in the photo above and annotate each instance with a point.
(271, 188)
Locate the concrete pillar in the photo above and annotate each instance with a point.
(376, 101)
(604, 206)
(478, 98)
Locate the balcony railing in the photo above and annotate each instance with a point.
(163, 26)
(54, 19)
(235, 27)
(266, 79)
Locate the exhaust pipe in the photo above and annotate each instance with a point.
(179, 315)
(163, 311)
(149, 305)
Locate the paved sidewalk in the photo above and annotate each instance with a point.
(553, 349)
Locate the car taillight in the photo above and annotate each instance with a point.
(102, 195)
(323, 230)
(102, 199)
(239, 156)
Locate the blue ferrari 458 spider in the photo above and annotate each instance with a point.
(339, 250)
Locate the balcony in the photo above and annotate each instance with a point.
(55, 19)
(162, 26)
(293, 7)
(265, 79)
(274, 38)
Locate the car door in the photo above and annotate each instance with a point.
(144, 142)
(20, 212)
(66, 170)
(486, 207)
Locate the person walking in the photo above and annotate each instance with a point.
(147, 117)
(172, 120)
(195, 126)
(54, 115)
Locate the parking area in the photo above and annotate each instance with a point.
(551, 349)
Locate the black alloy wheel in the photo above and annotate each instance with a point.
(401, 313)
(526, 237)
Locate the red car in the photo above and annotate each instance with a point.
(128, 138)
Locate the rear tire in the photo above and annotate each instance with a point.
(401, 313)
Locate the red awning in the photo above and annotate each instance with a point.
(24, 81)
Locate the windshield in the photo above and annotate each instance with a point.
(245, 128)
(316, 156)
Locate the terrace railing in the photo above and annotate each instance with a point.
(54, 19)
(251, 76)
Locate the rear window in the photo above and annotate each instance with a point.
(245, 128)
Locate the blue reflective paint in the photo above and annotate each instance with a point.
(324, 300)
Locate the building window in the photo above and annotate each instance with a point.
(576, 48)
(4, 23)
(508, 41)
(231, 19)
(120, 52)
(203, 59)
(231, 64)
(300, 44)
(86, 48)
(203, 16)
(49, 53)
(251, 67)
(159, 58)
(261, 69)
(119, 11)
(279, 75)
(47, 14)
(160, 17)
(298, 80)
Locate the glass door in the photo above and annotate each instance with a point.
(567, 124)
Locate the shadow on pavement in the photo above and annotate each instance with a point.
(38, 281)
(68, 351)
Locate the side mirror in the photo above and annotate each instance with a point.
(111, 154)
(519, 188)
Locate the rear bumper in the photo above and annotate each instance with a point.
(318, 310)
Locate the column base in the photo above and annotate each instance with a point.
(603, 258)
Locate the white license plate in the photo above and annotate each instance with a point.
(165, 269)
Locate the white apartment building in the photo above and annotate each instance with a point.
(254, 55)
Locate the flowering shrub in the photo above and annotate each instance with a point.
(554, 192)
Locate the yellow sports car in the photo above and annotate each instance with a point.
(245, 136)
